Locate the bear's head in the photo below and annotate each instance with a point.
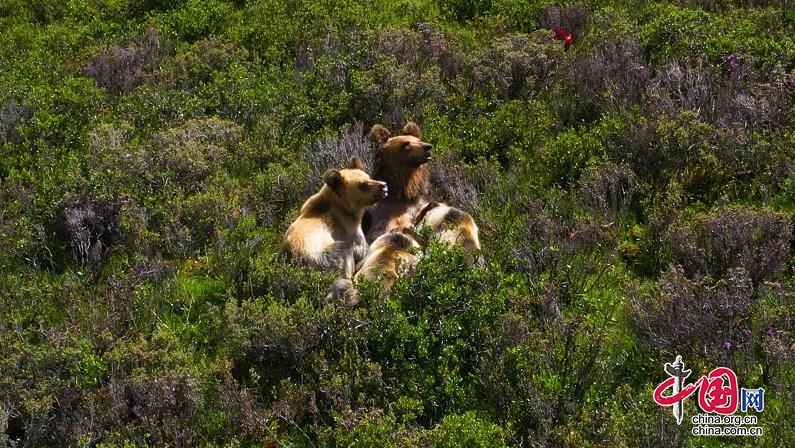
(354, 188)
(401, 161)
(406, 150)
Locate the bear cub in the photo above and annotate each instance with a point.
(327, 234)
(450, 225)
(391, 255)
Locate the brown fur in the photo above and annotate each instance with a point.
(391, 255)
(327, 235)
(343, 290)
(401, 162)
(450, 225)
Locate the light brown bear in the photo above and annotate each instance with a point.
(450, 225)
(401, 162)
(328, 235)
(391, 255)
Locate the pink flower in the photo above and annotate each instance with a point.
(567, 38)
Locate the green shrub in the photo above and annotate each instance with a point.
(518, 66)
(464, 10)
(689, 33)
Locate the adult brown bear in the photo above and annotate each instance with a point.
(401, 162)
(328, 235)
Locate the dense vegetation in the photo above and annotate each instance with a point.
(634, 191)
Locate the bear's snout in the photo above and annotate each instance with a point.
(427, 148)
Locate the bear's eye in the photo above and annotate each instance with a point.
(406, 145)
(363, 186)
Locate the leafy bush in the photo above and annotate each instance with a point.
(693, 317)
(613, 77)
(13, 114)
(688, 33)
(392, 91)
(187, 155)
(572, 18)
(607, 190)
(122, 69)
(90, 228)
(757, 242)
(465, 9)
(517, 66)
(197, 65)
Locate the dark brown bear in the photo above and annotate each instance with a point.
(401, 162)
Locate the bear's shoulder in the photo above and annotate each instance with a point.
(317, 205)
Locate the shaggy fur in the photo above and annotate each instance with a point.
(401, 162)
(450, 225)
(328, 235)
(391, 255)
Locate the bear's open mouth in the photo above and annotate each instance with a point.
(422, 160)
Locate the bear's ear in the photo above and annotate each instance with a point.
(411, 128)
(333, 178)
(355, 163)
(379, 135)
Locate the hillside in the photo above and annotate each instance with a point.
(631, 166)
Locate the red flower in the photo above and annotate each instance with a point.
(561, 34)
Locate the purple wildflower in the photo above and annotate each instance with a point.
(734, 61)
